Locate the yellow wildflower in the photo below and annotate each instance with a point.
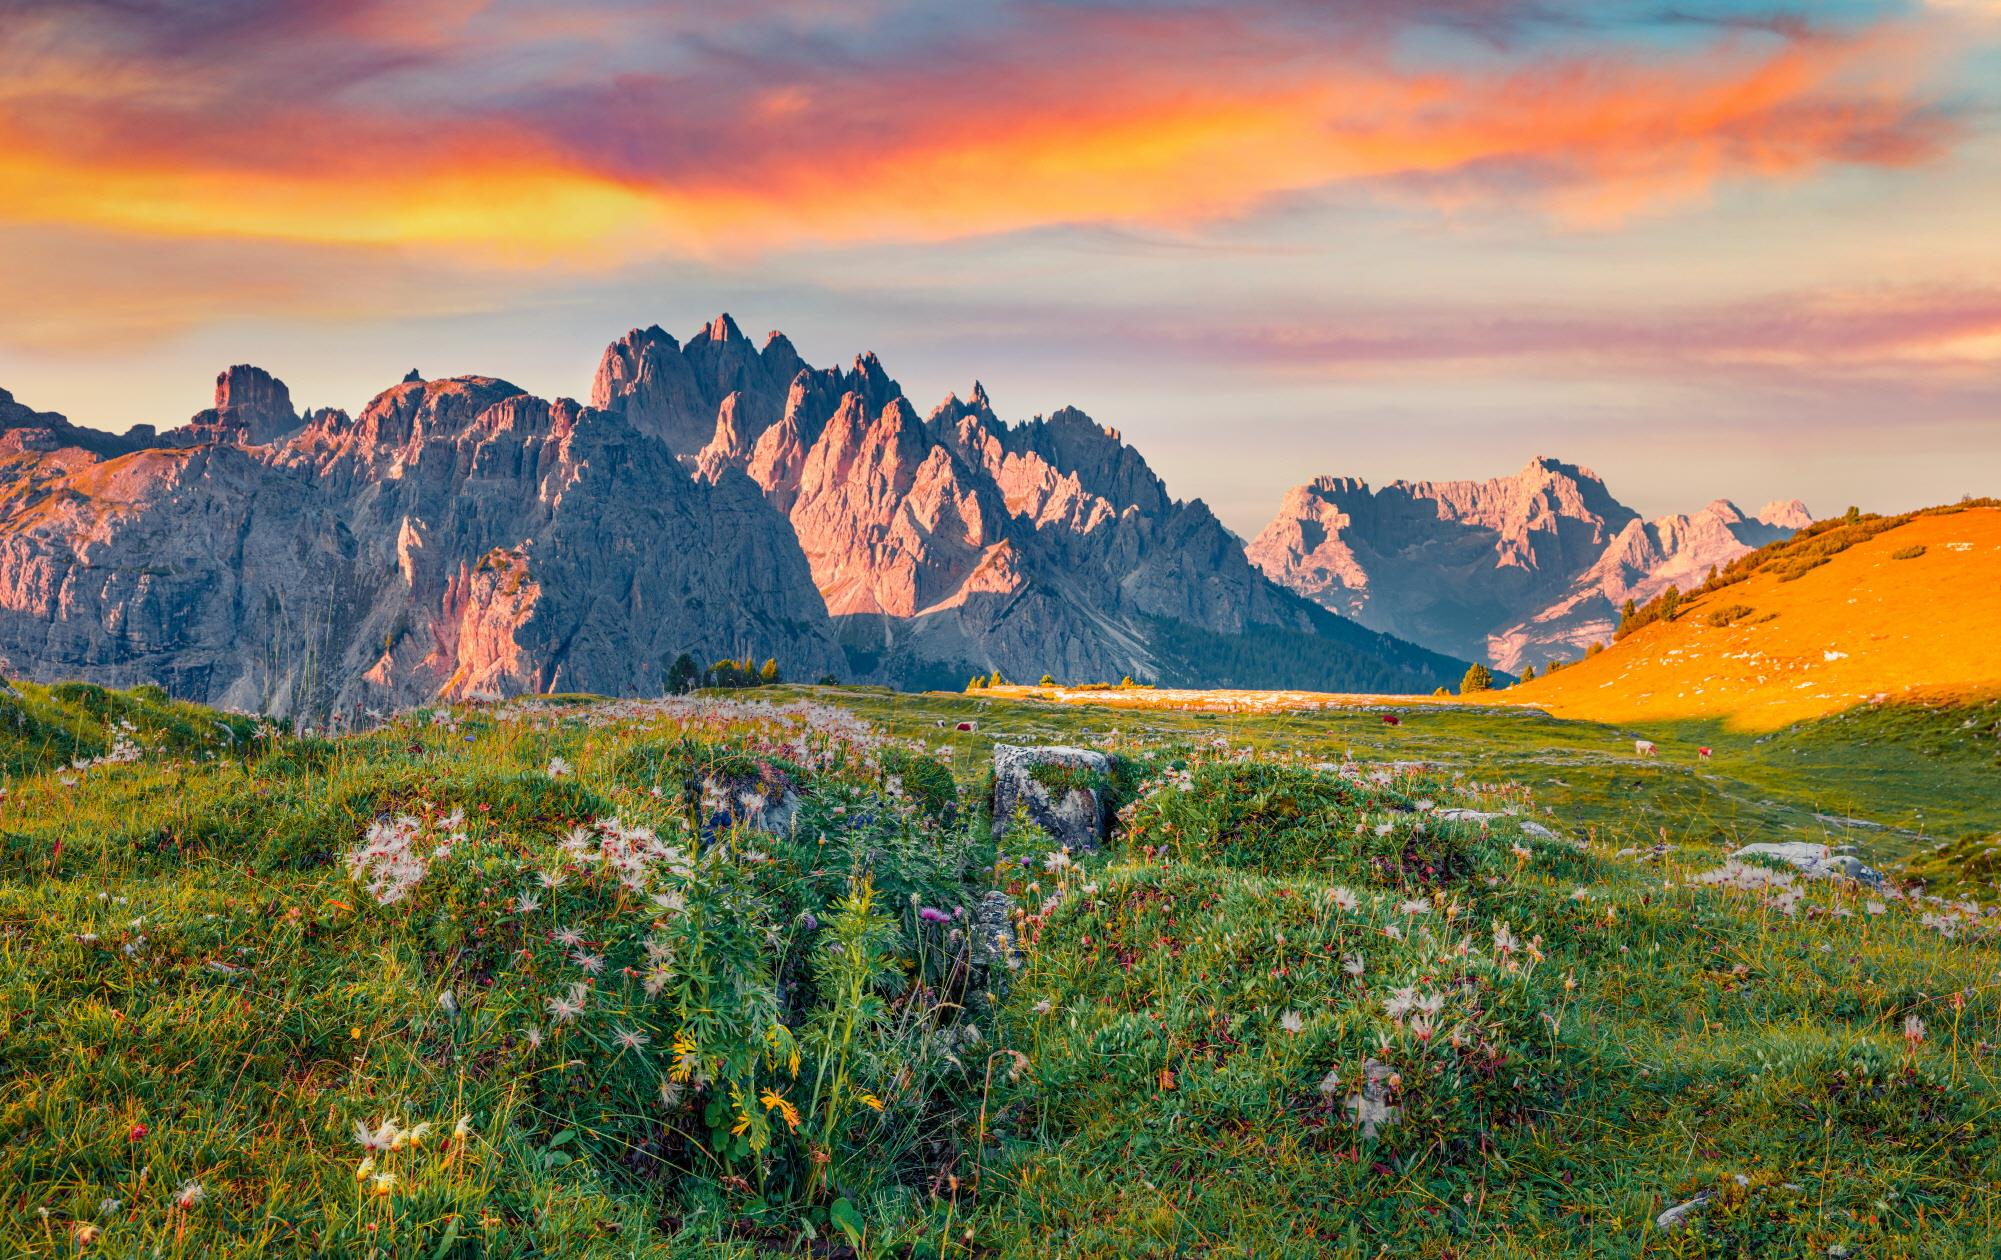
(775, 1101)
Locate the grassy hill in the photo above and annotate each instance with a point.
(1897, 609)
(717, 978)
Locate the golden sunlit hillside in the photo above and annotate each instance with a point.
(1910, 610)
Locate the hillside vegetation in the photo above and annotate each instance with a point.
(1880, 609)
(724, 977)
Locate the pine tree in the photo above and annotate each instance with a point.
(682, 675)
(1528, 673)
(1477, 679)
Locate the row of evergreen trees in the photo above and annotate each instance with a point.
(684, 675)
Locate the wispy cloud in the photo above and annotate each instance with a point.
(453, 124)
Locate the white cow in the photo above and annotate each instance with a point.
(1644, 748)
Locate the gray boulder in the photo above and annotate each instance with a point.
(1058, 789)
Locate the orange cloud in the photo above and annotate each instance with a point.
(1176, 135)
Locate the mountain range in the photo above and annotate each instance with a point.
(1513, 571)
(716, 497)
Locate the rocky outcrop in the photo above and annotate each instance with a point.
(1644, 559)
(1059, 789)
(962, 543)
(460, 537)
(1513, 571)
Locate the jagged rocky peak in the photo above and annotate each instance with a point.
(1788, 514)
(413, 377)
(244, 387)
(1512, 570)
(252, 407)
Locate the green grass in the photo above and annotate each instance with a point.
(1174, 1066)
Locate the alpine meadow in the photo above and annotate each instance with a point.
(1303, 755)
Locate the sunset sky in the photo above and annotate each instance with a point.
(1707, 248)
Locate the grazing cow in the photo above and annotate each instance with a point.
(1644, 748)
(1702, 753)
(1391, 719)
(968, 726)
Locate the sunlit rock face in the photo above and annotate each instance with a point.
(1513, 571)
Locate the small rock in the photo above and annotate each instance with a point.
(1677, 1215)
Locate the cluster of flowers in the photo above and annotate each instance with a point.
(396, 853)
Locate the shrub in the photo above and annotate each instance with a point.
(1725, 616)
(1908, 553)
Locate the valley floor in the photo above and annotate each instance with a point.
(755, 975)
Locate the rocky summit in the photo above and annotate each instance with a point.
(461, 537)
(1512, 571)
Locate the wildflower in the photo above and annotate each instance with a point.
(381, 1139)
(568, 938)
(190, 1195)
(592, 964)
(137, 1133)
(871, 1102)
(551, 880)
(1914, 1030)
(565, 1007)
(558, 767)
(1352, 964)
(1874, 907)
(931, 915)
(1416, 905)
(533, 1037)
(1345, 900)
(687, 1057)
(1292, 1022)
(1058, 860)
(366, 1167)
(670, 1094)
(629, 1038)
(1420, 1026)
(527, 903)
(1580, 894)
(773, 1100)
(413, 1138)
(382, 1183)
(1043, 1007)
(86, 1233)
(463, 1129)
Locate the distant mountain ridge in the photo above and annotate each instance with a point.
(1513, 571)
(462, 537)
